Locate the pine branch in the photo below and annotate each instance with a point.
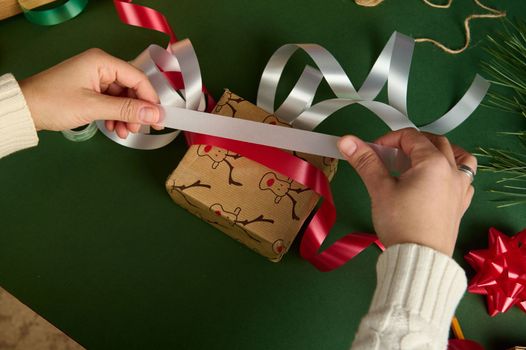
(507, 67)
(508, 163)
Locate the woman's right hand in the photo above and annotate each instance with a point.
(425, 204)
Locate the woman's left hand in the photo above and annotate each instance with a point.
(92, 86)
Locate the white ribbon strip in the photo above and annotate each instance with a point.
(391, 67)
(271, 135)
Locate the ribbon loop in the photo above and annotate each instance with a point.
(181, 59)
(392, 67)
(301, 96)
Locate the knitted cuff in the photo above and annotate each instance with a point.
(420, 279)
(17, 130)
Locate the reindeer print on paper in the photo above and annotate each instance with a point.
(181, 188)
(273, 120)
(278, 247)
(230, 103)
(281, 189)
(220, 156)
(234, 218)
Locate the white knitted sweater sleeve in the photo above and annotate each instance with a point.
(17, 130)
(417, 292)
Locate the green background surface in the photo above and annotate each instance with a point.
(90, 239)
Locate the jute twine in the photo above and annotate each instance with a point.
(492, 13)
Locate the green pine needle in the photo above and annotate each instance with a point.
(507, 68)
(513, 165)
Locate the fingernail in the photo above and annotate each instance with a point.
(347, 146)
(148, 115)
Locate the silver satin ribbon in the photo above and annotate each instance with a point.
(181, 59)
(183, 109)
(392, 66)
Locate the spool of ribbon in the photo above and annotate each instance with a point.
(85, 133)
(54, 15)
(501, 271)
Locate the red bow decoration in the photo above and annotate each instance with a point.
(501, 271)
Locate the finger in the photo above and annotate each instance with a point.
(158, 127)
(109, 124)
(133, 127)
(443, 145)
(114, 70)
(464, 157)
(366, 163)
(123, 109)
(468, 198)
(121, 130)
(114, 89)
(412, 142)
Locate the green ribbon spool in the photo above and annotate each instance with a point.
(55, 15)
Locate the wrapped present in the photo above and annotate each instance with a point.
(251, 203)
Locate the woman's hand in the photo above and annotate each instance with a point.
(92, 86)
(425, 204)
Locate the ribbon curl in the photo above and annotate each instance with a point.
(392, 67)
(501, 271)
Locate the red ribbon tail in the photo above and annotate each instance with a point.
(144, 17)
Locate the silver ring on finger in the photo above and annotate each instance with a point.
(468, 171)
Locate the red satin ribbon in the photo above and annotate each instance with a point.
(308, 175)
(146, 17)
(501, 271)
(143, 17)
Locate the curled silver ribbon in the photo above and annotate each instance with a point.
(182, 59)
(391, 67)
(182, 110)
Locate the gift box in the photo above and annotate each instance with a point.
(251, 203)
